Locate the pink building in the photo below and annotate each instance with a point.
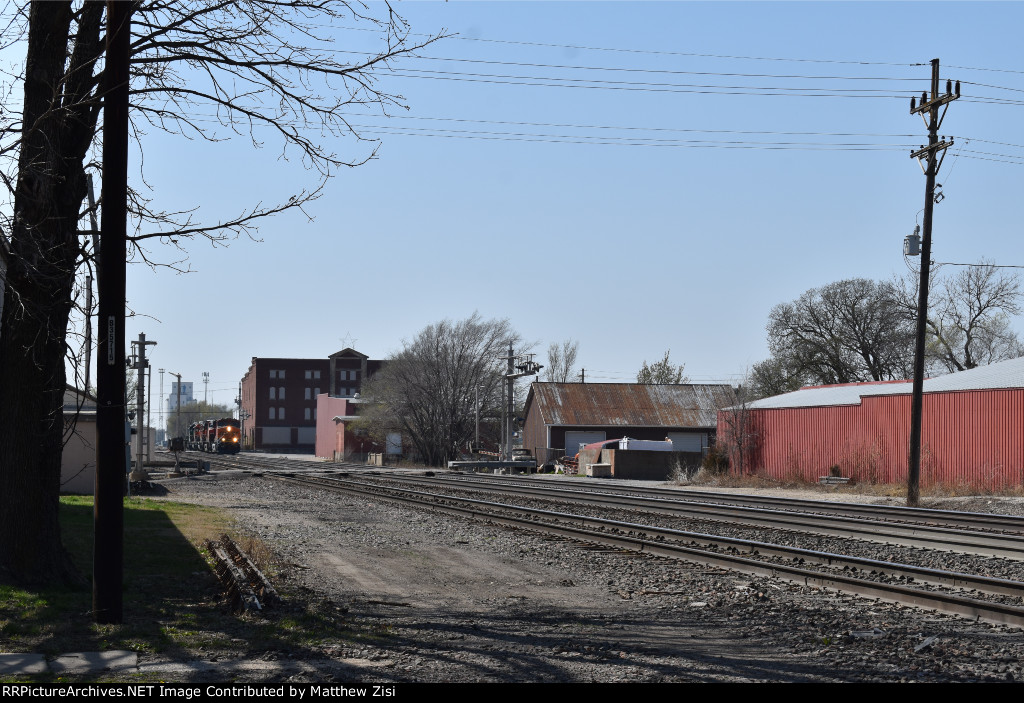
(336, 439)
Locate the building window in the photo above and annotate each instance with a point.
(280, 373)
(316, 392)
(308, 391)
(280, 413)
(307, 414)
(316, 374)
(273, 392)
(314, 413)
(280, 392)
(309, 374)
(273, 373)
(272, 414)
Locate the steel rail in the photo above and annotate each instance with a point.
(929, 516)
(987, 611)
(948, 518)
(903, 534)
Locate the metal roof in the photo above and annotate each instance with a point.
(1002, 374)
(628, 404)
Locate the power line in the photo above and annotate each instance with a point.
(623, 69)
(647, 87)
(653, 52)
(612, 140)
(994, 266)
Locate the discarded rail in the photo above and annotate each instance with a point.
(246, 586)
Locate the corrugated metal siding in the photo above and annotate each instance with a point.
(534, 432)
(629, 404)
(968, 437)
(1001, 375)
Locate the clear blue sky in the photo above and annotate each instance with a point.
(635, 214)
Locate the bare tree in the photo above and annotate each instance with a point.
(771, 377)
(737, 431)
(265, 70)
(428, 390)
(663, 371)
(968, 317)
(853, 330)
(561, 364)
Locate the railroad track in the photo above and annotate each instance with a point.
(1010, 524)
(572, 489)
(906, 533)
(941, 590)
(997, 536)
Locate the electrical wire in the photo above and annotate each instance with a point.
(653, 52)
(995, 266)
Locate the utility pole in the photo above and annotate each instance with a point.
(177, 407)
(140, 366)
(108, 508)
(526, 367)
(163, 425)
(929, 111)
(510, 408)
(206, 386)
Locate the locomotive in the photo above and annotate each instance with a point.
(220, 436)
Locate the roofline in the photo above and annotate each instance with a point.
(682, 427)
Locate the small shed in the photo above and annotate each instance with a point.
(559, 417)
(78, 458)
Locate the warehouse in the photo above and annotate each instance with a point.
(559, 417)
(972, 430)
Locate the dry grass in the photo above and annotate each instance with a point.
(173, 604)
(929, 489)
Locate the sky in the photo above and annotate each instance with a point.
(635, 176)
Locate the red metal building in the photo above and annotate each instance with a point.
(972, 430)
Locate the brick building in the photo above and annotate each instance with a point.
(279, 397)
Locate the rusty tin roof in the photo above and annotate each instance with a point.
(628, 404)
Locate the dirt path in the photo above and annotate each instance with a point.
(454, 601)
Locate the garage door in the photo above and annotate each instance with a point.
(687, 441)
(277, 435)
(573, 440)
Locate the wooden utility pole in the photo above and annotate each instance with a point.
(111, 457)
(926, 154)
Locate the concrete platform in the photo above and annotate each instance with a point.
(74, 663)
(94, 662)
(122, 662)
(18, 663)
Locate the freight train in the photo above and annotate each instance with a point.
(220, 436)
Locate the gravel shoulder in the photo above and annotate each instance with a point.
(452, 601)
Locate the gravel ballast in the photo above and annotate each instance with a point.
(456, 601)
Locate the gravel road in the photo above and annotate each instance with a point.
(454, 601)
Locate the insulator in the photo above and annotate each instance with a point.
(958, 89)
(913, 103)
(924, 98)
(949, 87)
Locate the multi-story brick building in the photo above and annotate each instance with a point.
(279, 397)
